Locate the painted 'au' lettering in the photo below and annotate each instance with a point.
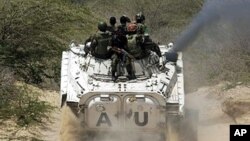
(145, 119)
(103, 119)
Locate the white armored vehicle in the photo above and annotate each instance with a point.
(146, 108)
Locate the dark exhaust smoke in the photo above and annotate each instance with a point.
(234, 12)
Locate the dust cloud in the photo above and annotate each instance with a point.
(210, 124)
(70, 126)
(216, 48)
(72, 129)
(234, 13)
(175, 130)
(213, 123)
(216, 45)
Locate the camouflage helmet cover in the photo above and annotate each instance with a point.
(139, 17)
(102, 26)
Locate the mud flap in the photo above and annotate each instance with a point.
(73, 107)
(63, 100)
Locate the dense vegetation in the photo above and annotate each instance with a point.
(33, 35)
(19, 102)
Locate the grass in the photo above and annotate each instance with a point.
(23, 104)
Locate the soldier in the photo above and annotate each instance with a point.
(142, 31)
(141, 27)
(112, 28)
(135, 46)
(119, 46)
(99, 43)
(123, 28)
(149, 44)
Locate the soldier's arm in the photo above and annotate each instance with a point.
(87, 46)
(157, 50)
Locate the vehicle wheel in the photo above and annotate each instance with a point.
(63, 100)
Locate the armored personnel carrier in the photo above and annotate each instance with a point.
(147, 108)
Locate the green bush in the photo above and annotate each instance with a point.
(30, 109)
(19, 102)
(33, 35)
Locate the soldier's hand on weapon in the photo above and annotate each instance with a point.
(116, 49)
(126, 53)
(119, 50)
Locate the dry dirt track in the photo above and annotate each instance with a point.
(213, 123)
(216, 106)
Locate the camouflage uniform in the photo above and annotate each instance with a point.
(135, 46)
(102, 41)
(142, 28)
(148, 44)
(119, 41)
(112, 28)
(99, 43)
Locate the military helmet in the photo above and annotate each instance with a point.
(112, 20)
(139, 17)
(102, 26)
(170, 45)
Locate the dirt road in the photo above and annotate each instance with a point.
(217, 108)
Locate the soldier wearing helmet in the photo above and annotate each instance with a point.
(147, 43)
(140, 18)
(141, 27)
(99, 43)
